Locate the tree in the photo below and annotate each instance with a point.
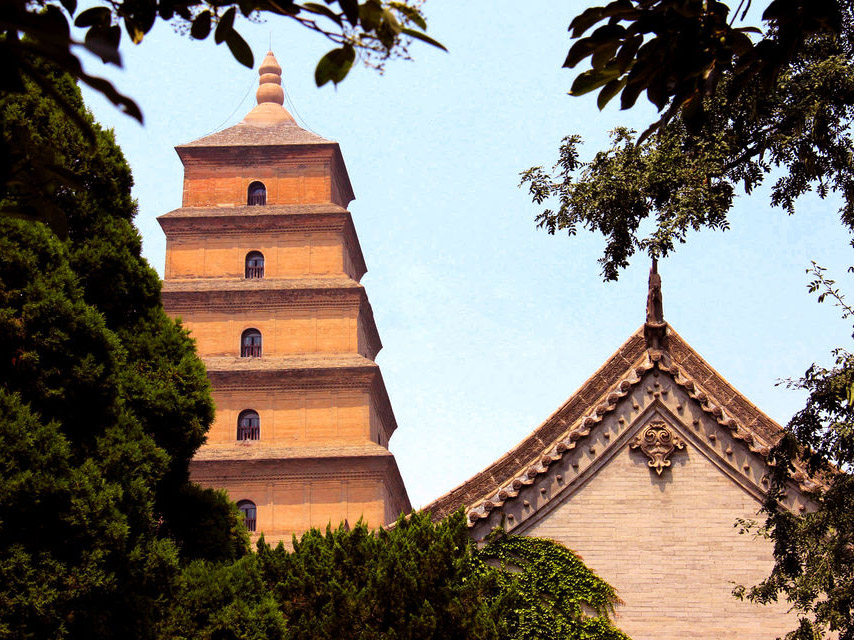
(416, 580)
(679, 51)
(733, 111)
(103, 404)
(686, 176)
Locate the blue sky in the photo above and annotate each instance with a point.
(488, 323)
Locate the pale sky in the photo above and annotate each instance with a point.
(488, 324)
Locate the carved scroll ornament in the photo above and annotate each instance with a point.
(657, 441)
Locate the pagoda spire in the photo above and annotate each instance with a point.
(655, 328)
(270, 95)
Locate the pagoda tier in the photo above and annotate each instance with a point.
(293, 317)
(213, 241)
(263, 267)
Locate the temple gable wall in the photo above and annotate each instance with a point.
(669, 546)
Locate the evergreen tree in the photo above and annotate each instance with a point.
(102, 402)
(418, 580)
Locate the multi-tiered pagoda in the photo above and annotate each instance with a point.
(263, 266)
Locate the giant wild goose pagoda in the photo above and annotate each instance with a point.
(643, 471)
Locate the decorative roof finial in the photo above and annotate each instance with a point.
(270, 95)
(655, 328)
(270, 82)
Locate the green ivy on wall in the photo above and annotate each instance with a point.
(554, 595)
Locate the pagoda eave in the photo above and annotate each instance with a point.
(257, 451)
(331, 372)
(267, 285)
(379, 466)
(253, 211)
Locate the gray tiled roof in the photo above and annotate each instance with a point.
(243, 134)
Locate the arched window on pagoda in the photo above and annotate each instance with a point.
(247, 508)
(250, 344)
(248, 425)
(254, 264)
(257, 194)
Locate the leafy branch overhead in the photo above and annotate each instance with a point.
(685, 177)
(376, 28)
(677, 50)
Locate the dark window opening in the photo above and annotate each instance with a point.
(254, 264)
(247, 507)
(248, 425)
(257, 194)
(250, 344)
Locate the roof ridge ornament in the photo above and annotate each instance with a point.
(655, 328)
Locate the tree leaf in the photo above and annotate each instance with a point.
(611, 89)
(351, 10)
(604, 53)
(627, 52)
(423, 37)
(52, 22)
(201, 26)
(225, 26)
(133, 31)
(166, 9)
(578, 52)
(590, 81)
(313, 7)
(584, 21)
(334, 65)
(93, 16)
(410, 12)
(104, 43)
(239, 49)
(371, 15)
(622, 9)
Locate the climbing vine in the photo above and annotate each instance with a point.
(553, 594)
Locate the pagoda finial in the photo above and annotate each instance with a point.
(655, 328)
(270, 95)
(270, 82)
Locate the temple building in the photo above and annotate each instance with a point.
(644, 472)
(263, 267)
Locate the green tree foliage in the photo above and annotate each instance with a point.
(734, 112)
(686, 181)
(79, 554)
(814, 555)
(417, 580)
(103, 403)
(678, 51)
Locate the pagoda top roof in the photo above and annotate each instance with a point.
(268, 123)
(245, 134)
